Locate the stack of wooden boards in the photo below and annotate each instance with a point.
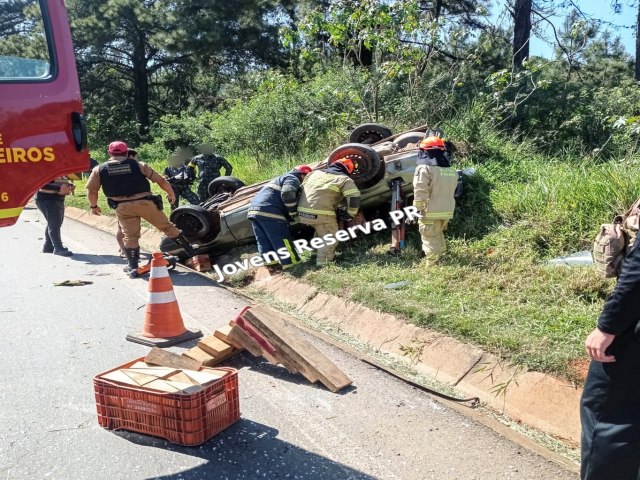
(213, 349)
(270, 334)
(164, 379)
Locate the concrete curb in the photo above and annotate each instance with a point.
(533, 398)
(539, 400)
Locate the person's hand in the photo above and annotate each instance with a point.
(171, 198)
(596, 345)
(96, 211)
(65, 189)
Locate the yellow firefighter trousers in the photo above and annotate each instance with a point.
(129, 215)
(327, 253)
(433, 243)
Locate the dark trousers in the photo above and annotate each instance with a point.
(185, 193)
(53, 211)
(272, 235)
(610, 415)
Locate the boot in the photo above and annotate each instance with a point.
(184, 243)
(133, 257)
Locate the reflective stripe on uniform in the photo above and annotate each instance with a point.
(258, 213)
(292, 254)
(352, 192)
(334, 188)
(161, 297)
(316, 212)
(10, 212)
(438, 215)
(159, 272)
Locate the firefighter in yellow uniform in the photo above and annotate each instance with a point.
(325, 192)
(434, 185)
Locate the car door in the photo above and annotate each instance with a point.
(42, 127)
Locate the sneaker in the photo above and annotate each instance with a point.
(47, 249)
(63, 253)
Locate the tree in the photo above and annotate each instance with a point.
(139, 59)
(521, 31)
(637, 65)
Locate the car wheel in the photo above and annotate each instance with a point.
(368, 163)
(369, 133)
(410, 137)
(229, 184)
(193, 220)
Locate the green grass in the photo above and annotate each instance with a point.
(494, 287)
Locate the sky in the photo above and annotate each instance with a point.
(596, 9)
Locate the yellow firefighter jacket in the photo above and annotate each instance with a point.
(433, 190)
(322, 192)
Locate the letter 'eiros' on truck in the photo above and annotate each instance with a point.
(43, 131)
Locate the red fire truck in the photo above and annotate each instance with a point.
(43, 131)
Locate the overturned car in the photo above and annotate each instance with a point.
(384, 163)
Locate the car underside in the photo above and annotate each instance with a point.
(221, 224)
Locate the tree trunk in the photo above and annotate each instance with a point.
(141, 83)
(521, 31)
(637, 70)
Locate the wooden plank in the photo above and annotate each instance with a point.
(221, 358)
(223, 333)
(214, 346)
(200, 356)
(282, 335)
(241, 339)
(161, 357)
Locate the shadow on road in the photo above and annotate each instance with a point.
(90, 259)
(250, 450)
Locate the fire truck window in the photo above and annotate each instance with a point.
(24, 50)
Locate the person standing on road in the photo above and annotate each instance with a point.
(181, 176)
(325, 193)
(209, 165)
(272, 210)
(610, 404)
(50, 201)
(125, 182)
(434, 186)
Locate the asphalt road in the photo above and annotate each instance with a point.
(57, 338)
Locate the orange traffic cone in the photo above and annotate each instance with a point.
(163, 325)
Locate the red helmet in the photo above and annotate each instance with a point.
(303, 169)
(118, 148)
(432, 143)
(348, 163)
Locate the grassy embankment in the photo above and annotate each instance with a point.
(494, 287)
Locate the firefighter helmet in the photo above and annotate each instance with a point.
(348, 163)
(432, 143)
(303, 169)
(118, 148)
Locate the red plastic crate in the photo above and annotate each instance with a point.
(185, 419)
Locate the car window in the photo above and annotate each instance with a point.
(24, 47)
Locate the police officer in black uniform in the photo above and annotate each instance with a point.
(125, 182)
(610, 406)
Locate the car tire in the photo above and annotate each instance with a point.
(369, 166)
(219, 183)
(410, 137)
(193, 221)
(369, 133)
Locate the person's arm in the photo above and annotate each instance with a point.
(226, 165)
(93, 187)
(621, 310)
(352, 197)
(158, 179)
(421, 188)
(289, 194)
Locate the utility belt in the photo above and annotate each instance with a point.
(157, 199)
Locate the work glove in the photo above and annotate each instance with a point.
(343, 215)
